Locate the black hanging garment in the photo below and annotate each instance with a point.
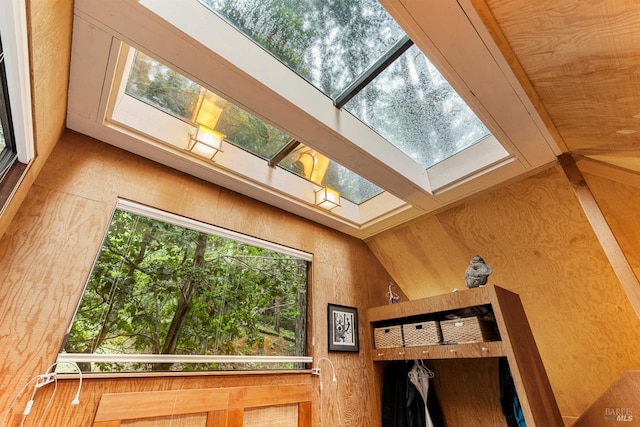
(402, 405)
(509, 397)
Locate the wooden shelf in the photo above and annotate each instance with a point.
(458, 351)
(440, 303)
(517, 344)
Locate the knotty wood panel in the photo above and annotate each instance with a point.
(540, 245)
(47, 254)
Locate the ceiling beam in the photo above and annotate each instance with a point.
(608, 171)
(603, 232)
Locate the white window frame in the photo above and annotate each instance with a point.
(157, 214)
(15, 43)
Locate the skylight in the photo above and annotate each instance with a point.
(174, 94)
(332, 44)
(328, 102)
(328, 43)
(416, 109)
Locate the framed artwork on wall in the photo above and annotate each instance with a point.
(343, 328)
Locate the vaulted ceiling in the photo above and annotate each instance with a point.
(582, 59)
(574, 65)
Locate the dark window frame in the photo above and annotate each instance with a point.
(9, 155)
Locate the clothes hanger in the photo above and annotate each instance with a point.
(423, 368)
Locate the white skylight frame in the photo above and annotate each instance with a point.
(128, 114)
(241, 72)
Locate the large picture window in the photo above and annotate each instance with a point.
(171, 294)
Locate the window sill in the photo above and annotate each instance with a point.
(123, 375)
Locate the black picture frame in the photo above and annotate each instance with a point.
(342, 323)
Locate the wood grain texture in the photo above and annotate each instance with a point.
(161, 403)
(618, 197)
(468, 391)
(196, 420)
(148, 408)
(619, 405)
(235, 418)
(49, 28)
(605, 235)
(503, 44)
(582, 60)
(49, 249)
(517, 346)
(216, 418)
(50, 47)
(305, 418)
(540, 245)
(529, 376)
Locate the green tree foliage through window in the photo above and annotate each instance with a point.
(161, 288)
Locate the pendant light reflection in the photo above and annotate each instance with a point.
(327, 198)
(206, 141)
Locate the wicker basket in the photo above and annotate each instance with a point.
(421, 333)
(468, 329)
(387, 337)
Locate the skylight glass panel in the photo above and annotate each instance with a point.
(327, 43)
(319, 169)
(413, 106)
(161, 87)
(331, 44)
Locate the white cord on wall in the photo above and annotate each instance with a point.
(40, 381)
(316, 371)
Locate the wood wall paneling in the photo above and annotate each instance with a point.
(422, 271)
(49, 32)
(49, 249)
(470, 388)
(257, 405)
(532, 233)
(540, 245)
(601, 228)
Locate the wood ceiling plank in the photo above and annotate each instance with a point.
(583, 60)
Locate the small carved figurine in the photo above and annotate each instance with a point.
(477, 272)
